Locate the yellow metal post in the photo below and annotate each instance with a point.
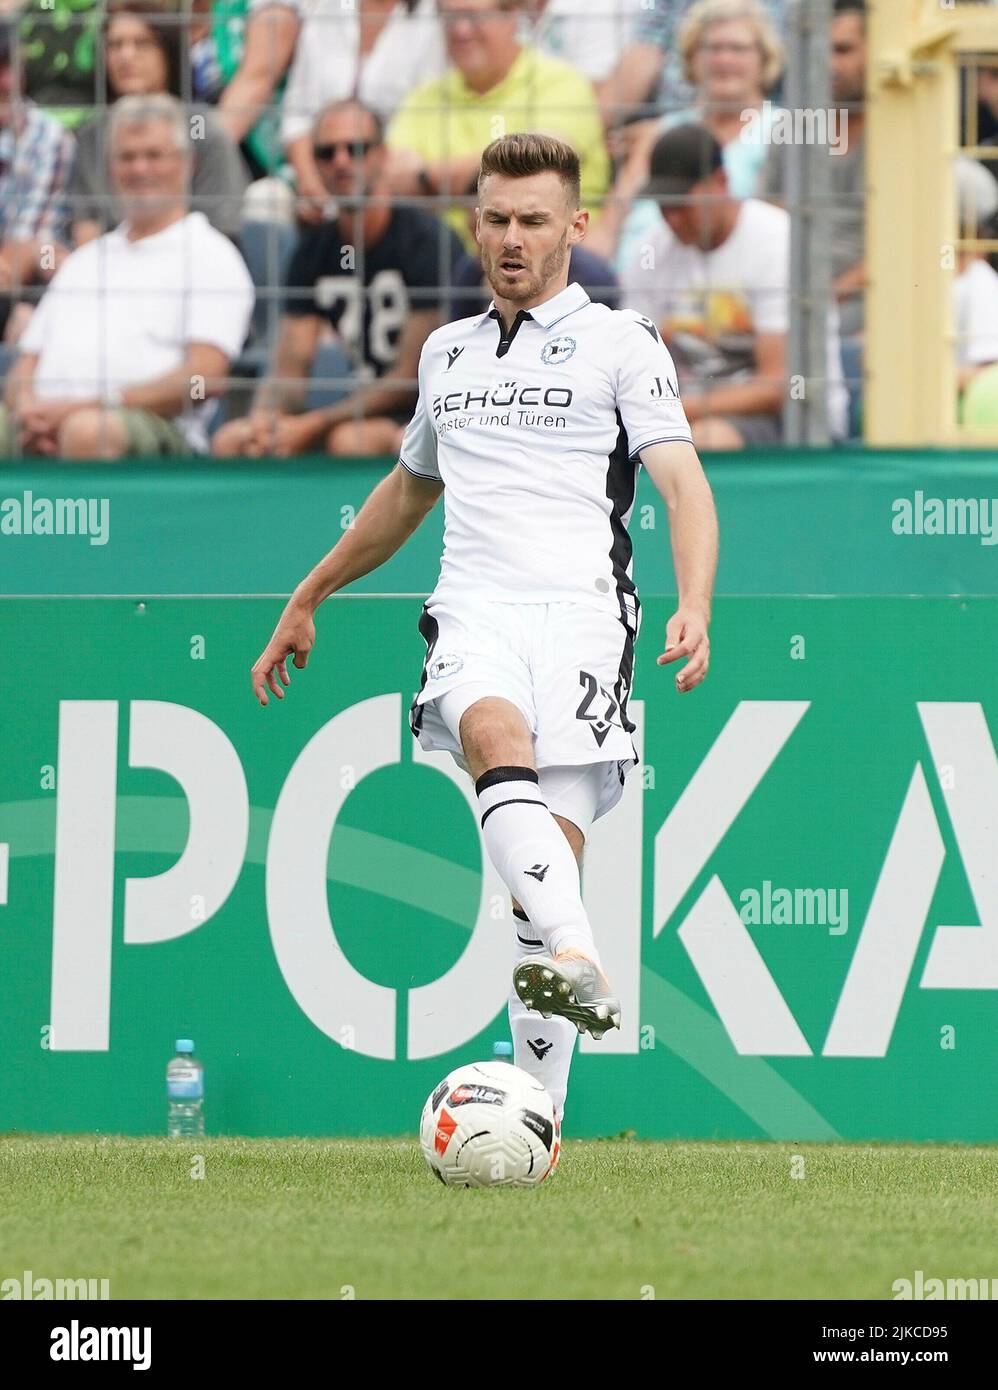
(912, 129)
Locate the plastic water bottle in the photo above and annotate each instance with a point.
(185, 1093)
(502, 1052)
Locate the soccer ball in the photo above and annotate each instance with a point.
(490, 1125)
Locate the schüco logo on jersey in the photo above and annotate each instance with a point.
(502, 396)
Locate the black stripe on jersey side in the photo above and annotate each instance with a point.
(624, 681)
(430, 630)
(621, 481)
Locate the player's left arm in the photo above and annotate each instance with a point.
(675, 469)
(658, 432)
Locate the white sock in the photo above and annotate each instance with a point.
(541, 1046)
(534, 859)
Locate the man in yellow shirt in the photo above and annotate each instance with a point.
(496, 86)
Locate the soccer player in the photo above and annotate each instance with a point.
(532, 419)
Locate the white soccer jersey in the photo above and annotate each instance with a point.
(536, 437)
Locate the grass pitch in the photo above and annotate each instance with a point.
(337, 1218)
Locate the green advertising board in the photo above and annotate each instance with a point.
(796, 897)
(834, 521)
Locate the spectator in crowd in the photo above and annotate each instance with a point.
(651, 76)
(734, 57)
(985, 116)
(846, 239)
(987, 123)
(376, 51)
(373, 276)
(591, 39)
(58, 43)
(714, 278)
(648, 78)
(142, 54)
(470, 293)
(240, 54)
(975, 287)
(36, 155)
(134, 335)
(495, 82)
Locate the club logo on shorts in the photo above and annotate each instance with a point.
(558, 350)
(445, 666)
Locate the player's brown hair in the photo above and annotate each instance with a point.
(524, 153)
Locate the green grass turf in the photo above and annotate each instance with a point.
(327, 1218)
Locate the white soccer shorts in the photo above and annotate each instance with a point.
(566, 666)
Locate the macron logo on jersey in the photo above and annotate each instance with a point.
(647, 325)
(452, 355)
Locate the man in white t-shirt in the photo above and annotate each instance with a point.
(713, 276)
(533, 419)
(134, 335)
(591, 38)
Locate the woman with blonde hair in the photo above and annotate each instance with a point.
(733, 56)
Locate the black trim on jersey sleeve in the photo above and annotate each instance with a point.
(430, 477)
(666, 439)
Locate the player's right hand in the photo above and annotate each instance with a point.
(294, 634)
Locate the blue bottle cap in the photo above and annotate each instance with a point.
(184, 1045)
(502, 1051)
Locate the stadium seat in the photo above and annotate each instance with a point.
(266, 248)
(332, 363)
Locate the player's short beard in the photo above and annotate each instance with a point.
(550, 267)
